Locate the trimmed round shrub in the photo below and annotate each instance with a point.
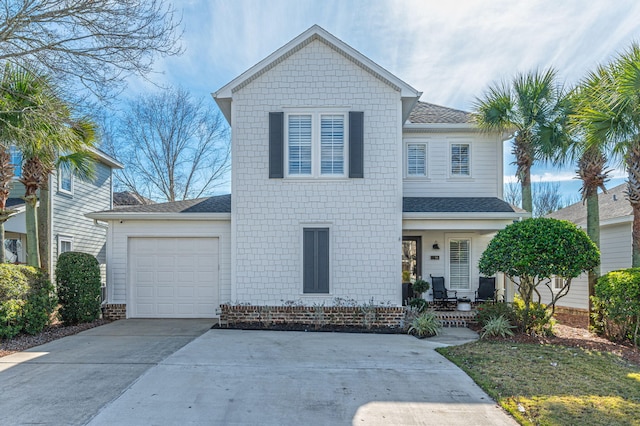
(27, 300)
(78, 283)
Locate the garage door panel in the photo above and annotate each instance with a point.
(174, 277)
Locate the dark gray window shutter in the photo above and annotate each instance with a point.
(315, 260)
(276, 145)
(356, 144)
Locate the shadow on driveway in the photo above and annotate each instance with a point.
(68, 380)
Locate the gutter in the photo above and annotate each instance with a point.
(466, 215)
(158, 216)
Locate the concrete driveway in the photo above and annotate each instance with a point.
(232, 377)
(178, 372)
(66, 382)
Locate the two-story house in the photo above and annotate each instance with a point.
(70, 199)
(339, 176)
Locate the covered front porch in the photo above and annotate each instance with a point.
(445, 237)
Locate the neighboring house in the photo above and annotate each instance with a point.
(337, 170)
(127, 198)
(616, 219)
(70, 199)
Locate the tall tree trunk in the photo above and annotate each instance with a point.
(593, 231)
(523, 153)
(33, 256)
(633, 194)
(44, 231)
(6, 178)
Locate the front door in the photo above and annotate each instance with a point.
(411, 265)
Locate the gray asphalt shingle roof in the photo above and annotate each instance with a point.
(612, 205)
(456, 205)
(216, 204)
(424, 112)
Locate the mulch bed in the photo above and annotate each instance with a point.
(573, 331)
(55, 331)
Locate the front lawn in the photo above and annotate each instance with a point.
(541, 384)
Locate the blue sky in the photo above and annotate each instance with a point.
(450, 50)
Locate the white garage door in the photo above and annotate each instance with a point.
(173, 277)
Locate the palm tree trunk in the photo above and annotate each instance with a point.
(33, 256)
(527, 196)
(44, 232)
(523, 153)
(633, 193)
(593, 231)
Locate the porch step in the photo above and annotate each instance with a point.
(456, 318)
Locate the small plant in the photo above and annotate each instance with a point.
(406, 276)
(418, 303)
(420, 286)
(488, 311)
(536, 319)
(497, 326)
(425, 325)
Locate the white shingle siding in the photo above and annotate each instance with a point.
(118, 251)
(364, 214)
(486, 166)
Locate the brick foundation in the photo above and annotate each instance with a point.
(321, 316)
(112, 311)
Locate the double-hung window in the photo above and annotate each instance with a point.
(316, 145)
(65, 244)
(460, 160)
(65, 180)
(16, 160)
(416, 159)
(459, 263)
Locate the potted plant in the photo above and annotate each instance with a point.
(420, 286)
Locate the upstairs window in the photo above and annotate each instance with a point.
(65, 244)
(16, 160)
(316, 145)
(65, 181)
(300, 145)
(460, 160)
(417, 159)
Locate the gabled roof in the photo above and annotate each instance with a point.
(424, 112)
(224, 95)
(107, 159)
(456, 205)
(613, 205)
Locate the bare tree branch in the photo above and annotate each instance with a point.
(174, 147)
(94, 43)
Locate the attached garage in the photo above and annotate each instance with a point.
(169, 260)
(173, 277)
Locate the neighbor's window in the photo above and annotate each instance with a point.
(16, 160)
(315, 252)
(65, 244)
(65, 180)
(316, 145)
(459, 264)
(460, 159)
(416, 159)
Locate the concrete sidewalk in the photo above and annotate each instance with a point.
(293, 378)
(68, 380)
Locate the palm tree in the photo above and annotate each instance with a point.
(80, 163)
(40, 125)
(532, 109)
(614, 122)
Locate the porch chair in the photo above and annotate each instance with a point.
(442, 296)
(486, 290)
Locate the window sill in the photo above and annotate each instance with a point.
(317, 179)
(418, 178)
(460, 179)
(65, 194)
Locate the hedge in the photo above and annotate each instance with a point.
(78, 283)
(27, 300)
(617, 302)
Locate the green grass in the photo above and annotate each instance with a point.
(553, 385)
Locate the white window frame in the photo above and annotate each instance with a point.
(557, 284)
(316, 145)
(407, 144)
(60, 188)
(65, 239)
(451, 238)
(469, 161)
